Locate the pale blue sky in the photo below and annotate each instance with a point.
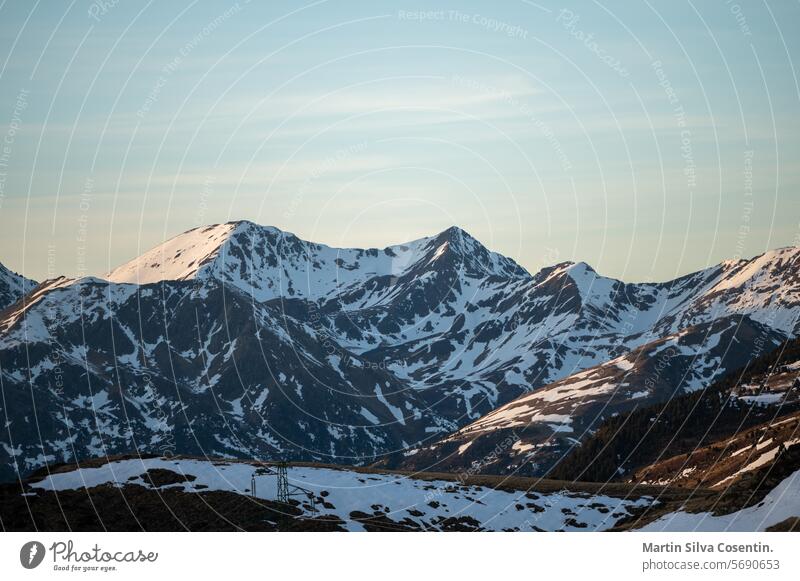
(665, 141)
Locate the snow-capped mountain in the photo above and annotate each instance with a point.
(12, 287)
(267, 263)
(179, 367)
(242, 340)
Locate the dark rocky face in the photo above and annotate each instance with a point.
(12, 287)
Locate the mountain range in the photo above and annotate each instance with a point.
(244, 341)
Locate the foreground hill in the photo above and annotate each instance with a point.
(176, 494)
(182, 493)
(244, 341)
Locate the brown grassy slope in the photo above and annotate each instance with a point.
(722, 463)
(745, 491)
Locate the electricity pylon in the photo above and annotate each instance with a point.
(280, 469)
(283, 481)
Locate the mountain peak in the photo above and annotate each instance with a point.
(580, 269)
(179, 258)
(470, 255)
(577, 271)
(458, 236)
(455, 233)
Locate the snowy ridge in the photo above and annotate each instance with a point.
(181, 258)
(267, 263)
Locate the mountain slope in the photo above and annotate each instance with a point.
(764, 497)
(777, 510)
(12, 287)
(713, 419)
(534, 432)
(727, 460)
(173, 367)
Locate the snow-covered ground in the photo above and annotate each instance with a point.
(764, 398)
(781, 503)
(398, 497)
